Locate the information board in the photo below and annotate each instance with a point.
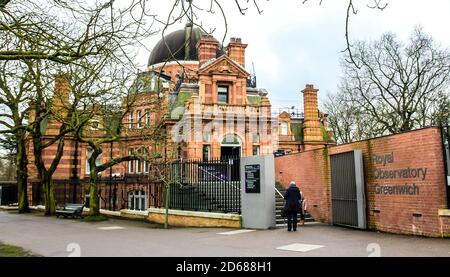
(252, 178)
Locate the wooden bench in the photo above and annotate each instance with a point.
(72, 210)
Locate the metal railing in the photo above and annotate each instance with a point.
(445, 136)
(279, 193)
(8, 193)
(212, 186)
(196, 185)
(113, 194)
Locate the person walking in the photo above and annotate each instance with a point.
(292, 205)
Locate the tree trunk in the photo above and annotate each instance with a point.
(22, 174)
(49, 196)
(94, 205)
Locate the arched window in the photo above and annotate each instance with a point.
(231, 139)
(152, 84)
(139, 119)
(147, 119)
(131, 120)
(98, 161)
(137, 200)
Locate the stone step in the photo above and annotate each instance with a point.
(309, 219)
(284, 221)
(279, 217)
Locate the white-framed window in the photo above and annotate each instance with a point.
(255, 150)
(222, 94)
(98, 161)
(131, 120)
(141, 87)
(206, 152)
(139, 119)
(130, 163)
(95, 124)
(147, 119)
(137, 200)
(284, 128)
(87, 198)
(138, 166)
(152, 84)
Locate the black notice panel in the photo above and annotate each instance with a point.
(252, 178)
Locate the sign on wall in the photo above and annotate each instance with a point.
(252, 178)
(396, 180)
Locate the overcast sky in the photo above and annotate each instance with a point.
(292, 44)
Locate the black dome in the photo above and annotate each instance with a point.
(173, 47)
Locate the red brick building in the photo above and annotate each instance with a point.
(200, 96)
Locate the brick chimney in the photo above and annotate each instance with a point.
(207, 49)
(60, 101)
(236, 51)
(62, 90)
(312, 131)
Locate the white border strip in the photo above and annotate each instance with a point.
(235, 232)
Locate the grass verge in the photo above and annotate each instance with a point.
(97, 218)
(7, 250)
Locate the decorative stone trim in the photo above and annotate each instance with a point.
(134, 214)
(195, 219)
(196, 214)
(444, 212)
(9, 208)
(38, 208)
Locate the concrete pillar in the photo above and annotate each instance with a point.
(258, 192)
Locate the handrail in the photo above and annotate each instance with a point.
(200, 167)
(279, 193)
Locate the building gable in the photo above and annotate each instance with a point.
(223, 66)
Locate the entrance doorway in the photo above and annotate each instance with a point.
(230, 155)
(230, 147)
(227, 152)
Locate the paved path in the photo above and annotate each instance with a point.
(61, 237)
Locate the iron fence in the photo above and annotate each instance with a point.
(195, 185)
(115, 194)
(212, 185)
(8, 194)
(445, 135)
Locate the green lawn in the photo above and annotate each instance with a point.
(14, 251)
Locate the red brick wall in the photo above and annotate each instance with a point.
(308, 169)
(385, 212)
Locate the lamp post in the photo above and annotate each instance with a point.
(110, 175)
(74, 180)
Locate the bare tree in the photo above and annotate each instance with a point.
(7, 167)
(48, 34)
(101, 89)
(64, 32)
(399, 87)
(14, 96)
(348, 124)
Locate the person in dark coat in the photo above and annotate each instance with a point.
(292, 206)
